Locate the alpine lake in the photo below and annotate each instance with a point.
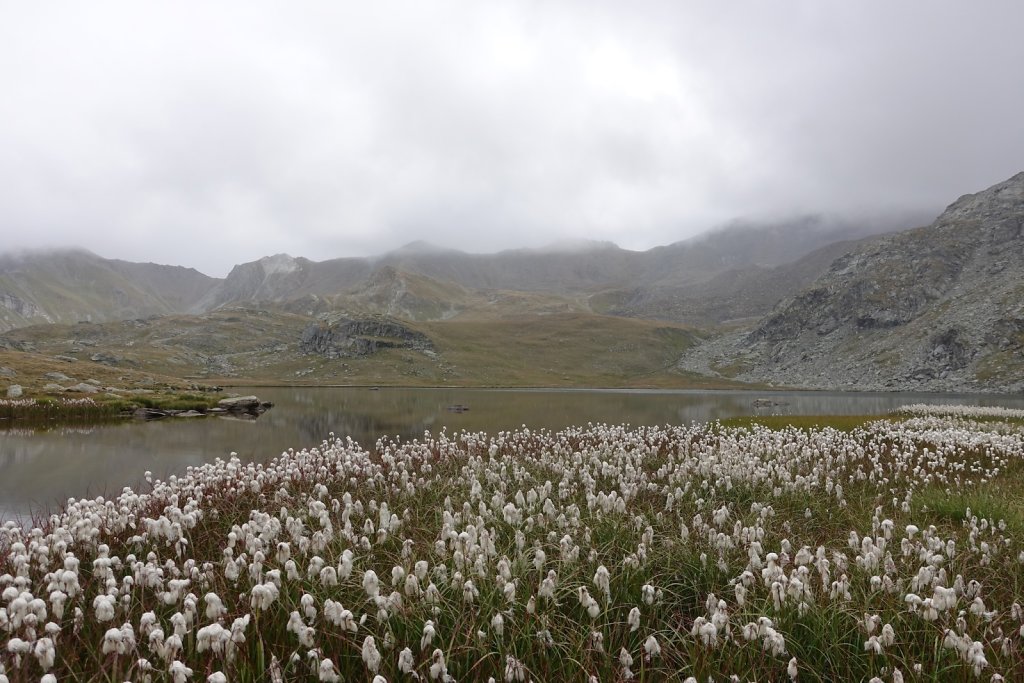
(42, 466)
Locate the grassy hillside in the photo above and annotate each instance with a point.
(262, 345)
(564, 349)
(31, 369)
(97, 391)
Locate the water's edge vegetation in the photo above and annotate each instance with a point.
(46, 412)
(73, 409)
(764, 549)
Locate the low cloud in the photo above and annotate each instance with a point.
(210, 134)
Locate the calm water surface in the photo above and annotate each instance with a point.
(39, 469)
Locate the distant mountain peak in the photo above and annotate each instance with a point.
(279, 263)
(1000, 199)
(43, 253)
(420, 247)
(576, 245)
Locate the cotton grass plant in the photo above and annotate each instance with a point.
(595, 553)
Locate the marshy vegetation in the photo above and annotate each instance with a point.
(65, 409)
(887, 550)
(35, 411)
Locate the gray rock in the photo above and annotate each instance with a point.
(7, 372)
(83, 388)
(106, 358)
(25, 309)
(189, 413)
(57, 377)
(240, 403)
(14, 391)
(353, 338)
(52, 386)
(94, 382)
(66, 359)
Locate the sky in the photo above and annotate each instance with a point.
(207, 134)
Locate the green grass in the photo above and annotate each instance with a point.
(845, 423)
(997, 501)
(173, 402)
(572, 349)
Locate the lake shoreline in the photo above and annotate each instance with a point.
(234, 383)
(44, 463)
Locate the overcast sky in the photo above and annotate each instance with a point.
(212, 133)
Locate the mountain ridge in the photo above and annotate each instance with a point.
(933, 308)
(75, 284)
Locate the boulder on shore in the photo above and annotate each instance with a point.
(14, 391)
(83, 388)
(251, 405)
(240, 403)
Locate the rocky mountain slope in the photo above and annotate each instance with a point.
(69, 285)
(936, 308)
(733, 297)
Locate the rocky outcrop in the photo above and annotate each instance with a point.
(349, 338)
(26, 309)
(241, 407)
(14, 391)
(936, 308)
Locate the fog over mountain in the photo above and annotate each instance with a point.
(212, 134)
(667, 282)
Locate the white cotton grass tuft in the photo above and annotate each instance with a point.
(327, 672)
(514, 670)
(634, 619)
(438, 669)
(371, 656)
(406, 661)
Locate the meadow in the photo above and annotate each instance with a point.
(885, 550)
